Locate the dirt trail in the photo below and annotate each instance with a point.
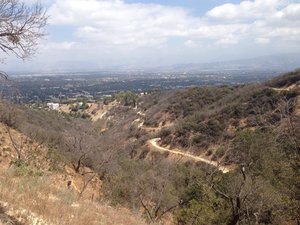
(153, 143)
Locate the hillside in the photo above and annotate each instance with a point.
(38, 187)
(204, 155)
(204, 121)
(227, 128)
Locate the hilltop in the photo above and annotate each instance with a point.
(203, 155)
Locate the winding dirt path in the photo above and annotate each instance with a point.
(154, 144)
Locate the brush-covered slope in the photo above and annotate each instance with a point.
(253, 128)
(39, 186)
(204, 120)
(204, 155)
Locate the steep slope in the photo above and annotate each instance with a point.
(252, 129)
(204, 120)
(165, 155)
(35, 190)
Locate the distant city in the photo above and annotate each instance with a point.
(57, 87)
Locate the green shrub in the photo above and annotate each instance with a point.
(127, 98)
(165, 132)
(200, 206)
(23, 169)
(144, 153)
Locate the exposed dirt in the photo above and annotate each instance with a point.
(19, 216)
(96, 110)
(154, 144)
(286, 88)
(54, 196)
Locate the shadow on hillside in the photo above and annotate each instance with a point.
(6, 219)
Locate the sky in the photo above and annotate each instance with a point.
(100, 34)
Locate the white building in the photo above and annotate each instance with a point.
(53, 106)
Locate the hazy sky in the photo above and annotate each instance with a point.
(93, 34)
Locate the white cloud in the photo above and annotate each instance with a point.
(190, 44)
(115, 31)
(117, 23)
(262, 40)
(65, 45)
(245, 10)
(227, 41)
(291, 12)
(114, 22)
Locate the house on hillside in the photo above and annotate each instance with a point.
(53, 106)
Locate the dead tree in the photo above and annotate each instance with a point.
(76, 146)
(286, 108)
(17, 147)
(152, 191)
(21, 26)
(81, 147)
(3, 75)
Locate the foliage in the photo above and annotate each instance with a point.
(23, 169)
(201, 206)
(127, 98)
(285, 79)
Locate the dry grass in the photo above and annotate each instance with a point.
(33, 195)
(36, 198)
(298, 106)
(96, 110)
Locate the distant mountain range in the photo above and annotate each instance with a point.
(275, 63)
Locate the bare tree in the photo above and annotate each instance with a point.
(88, 176)
(154, 193)
(17, 147)
(3, 76)
(291, 129)
(88, 156)
(21, 27)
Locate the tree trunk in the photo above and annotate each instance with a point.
(236, 212)
(234, 220)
